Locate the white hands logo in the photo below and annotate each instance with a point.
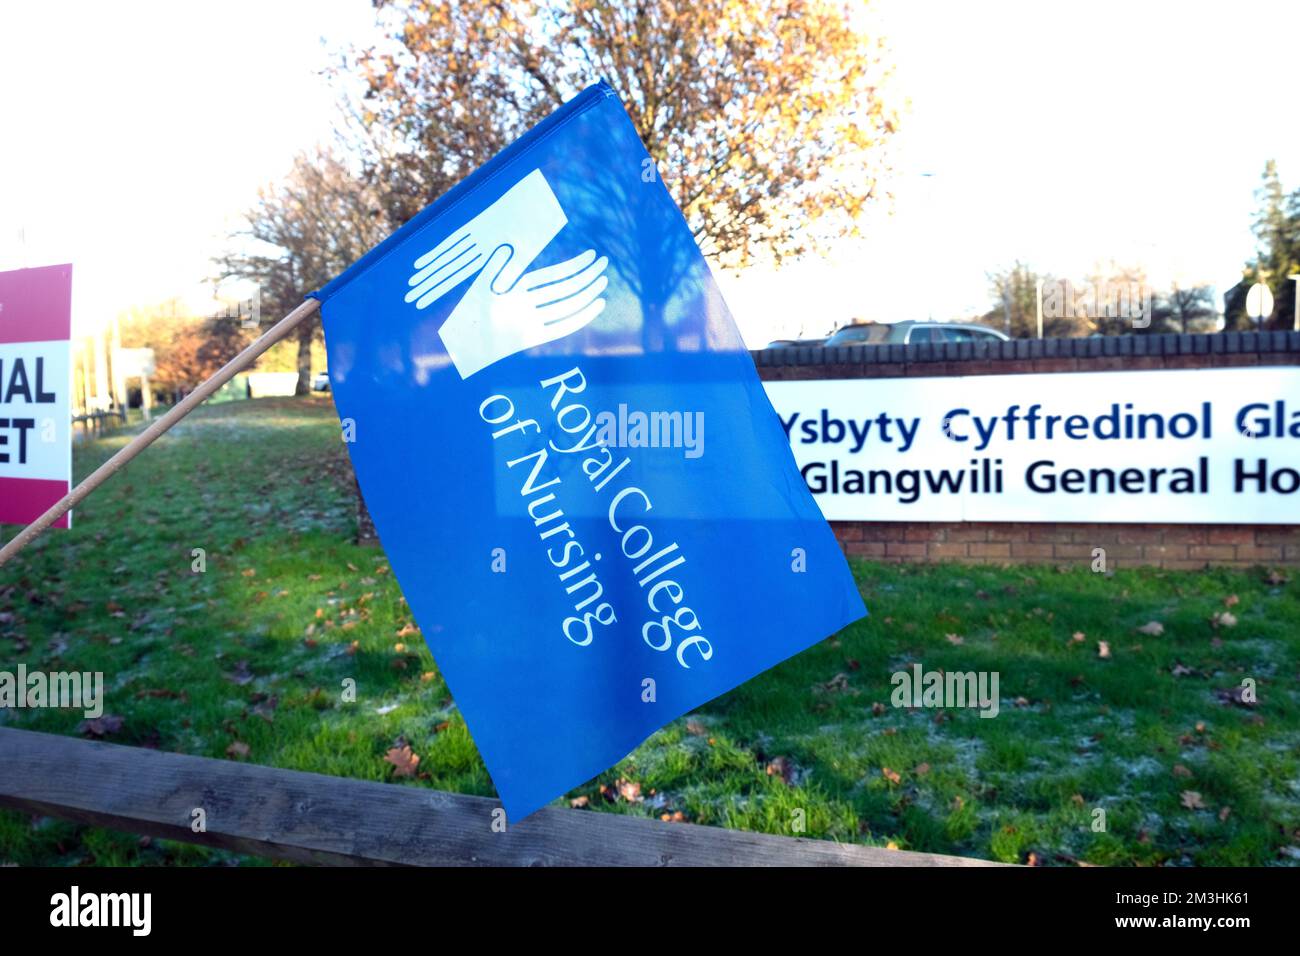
(507, 310)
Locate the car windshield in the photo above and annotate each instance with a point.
(860, 334)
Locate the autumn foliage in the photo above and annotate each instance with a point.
(766, 118)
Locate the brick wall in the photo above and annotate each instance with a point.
(1164, 545)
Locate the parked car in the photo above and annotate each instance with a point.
(320, 382)
(793, 343)
(911, 332)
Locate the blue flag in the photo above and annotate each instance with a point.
(586, 496)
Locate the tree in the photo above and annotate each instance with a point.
(305, 231)
(766, 118)
(1277, 229)
(1014, 293)
(1183, 308)
(187, 349)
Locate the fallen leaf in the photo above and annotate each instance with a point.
(579, 803)
(1181, 671)
(1224, 619)
(103, 726)
(266, 709)
(838, 683)
(163, 693)
(629, 790)
(893, 776)
(954, 639)
(1192, 800)
(1235, 695)
(695, 728)
(782, 767)
(1181, 771)
(1153, 628)
(1103, 650)
(403, 760)
(241, 674)
(238, 750)
(921, 769)
(1231, 601)
(1078, 637)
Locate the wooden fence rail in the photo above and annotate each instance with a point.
(311, 818)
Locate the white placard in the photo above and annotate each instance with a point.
(1203, 446)
(35, 427)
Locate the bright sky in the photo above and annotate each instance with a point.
(1060, 134)
(136, 133)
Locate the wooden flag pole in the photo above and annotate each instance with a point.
(155, 431)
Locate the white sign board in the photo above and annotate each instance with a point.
(1204, 446)
(134, 363)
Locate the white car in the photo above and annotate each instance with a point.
(909, 332)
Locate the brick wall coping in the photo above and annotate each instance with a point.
(1263, 347)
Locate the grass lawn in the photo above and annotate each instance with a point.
(246, 661)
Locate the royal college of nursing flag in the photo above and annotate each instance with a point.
(584, 491)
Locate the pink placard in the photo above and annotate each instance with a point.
(35, 391)
(23, 500)
(36, 305)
